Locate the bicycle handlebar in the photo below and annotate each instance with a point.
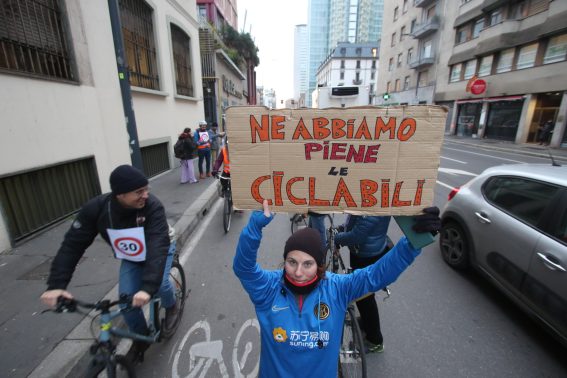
(72, 305)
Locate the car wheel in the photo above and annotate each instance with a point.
(454, 246)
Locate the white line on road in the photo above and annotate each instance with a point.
(491, 156)
(445, 185)
(457, 161)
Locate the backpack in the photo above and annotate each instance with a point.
(178, 149)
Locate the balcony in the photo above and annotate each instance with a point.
(423, 3)
(427, 28)
(422, 62)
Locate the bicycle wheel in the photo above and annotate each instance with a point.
(227, 212)
(352, 360)
(177, 279)
(111, 367)
(298, 222)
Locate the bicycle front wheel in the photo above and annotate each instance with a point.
(352, 360)
(177, 279)
(227, 212)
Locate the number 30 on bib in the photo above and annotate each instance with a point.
(128, 244)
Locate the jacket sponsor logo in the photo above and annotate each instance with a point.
(279, 334)
(325, 310)
(275, 308)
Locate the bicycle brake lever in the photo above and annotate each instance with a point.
(388, 292)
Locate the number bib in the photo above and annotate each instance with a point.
(204, 136)
(128, 243)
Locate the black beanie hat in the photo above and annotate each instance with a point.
(126, 178)
(306, 240)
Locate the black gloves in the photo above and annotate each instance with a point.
(429, 221)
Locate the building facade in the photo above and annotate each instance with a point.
(413, 35)
(60, 90)
(334, 21)
(348, 76)
(506, 70)
(219, 12)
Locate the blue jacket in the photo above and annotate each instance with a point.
(289, 335)
(366, 234)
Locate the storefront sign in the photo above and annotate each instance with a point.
(229, 87)
(478, 87)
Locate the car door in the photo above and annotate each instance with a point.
(509, 217)
(545, 287)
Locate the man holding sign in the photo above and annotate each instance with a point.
(133, 222)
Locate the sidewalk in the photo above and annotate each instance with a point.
(48, 345)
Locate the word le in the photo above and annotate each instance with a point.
(367, 188)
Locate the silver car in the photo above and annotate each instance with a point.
(510, 222)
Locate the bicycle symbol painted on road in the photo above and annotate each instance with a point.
(204, 353)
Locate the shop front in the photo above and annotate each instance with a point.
(504, 118)
(468, 118)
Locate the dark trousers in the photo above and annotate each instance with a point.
(367, 307)
(204, 155)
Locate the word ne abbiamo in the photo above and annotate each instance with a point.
(371, 192)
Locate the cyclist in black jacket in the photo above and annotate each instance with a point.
(133, 222)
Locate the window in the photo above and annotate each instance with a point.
(139, 45)
(393, 39)
(477, 28)
(485, 67)
(400, 55)
(397, 89)
(422, 79)
(526, 56)
(182, 61)
(402, 33)
(406, 83)
(412, 26)
(405, 6)
(556, 49)
(33, 39)
(426, 52)
(396, 9)
(358, 51)
(388, 86)
(462, 34)
(410, 55)
(520, 197)
(505, 60)
(470, 67)
(390, 64)
(430, 13)
(495, 17)
(455, 73)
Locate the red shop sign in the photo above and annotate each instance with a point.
(478, 87)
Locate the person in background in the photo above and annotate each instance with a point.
(189, 155)
(215, 140)
(129, 211)
(202, 138)
(301, 308)
(545, 132)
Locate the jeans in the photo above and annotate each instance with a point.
(204, 155)
(130, 282)
(317, 222)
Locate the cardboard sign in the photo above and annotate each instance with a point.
(363, 160)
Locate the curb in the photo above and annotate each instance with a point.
(544, 153)
(71, 356)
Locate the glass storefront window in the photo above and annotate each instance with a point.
(468, 118)
(505, 61)
(526, 57)
(556, 49)
(503, 119)
(485, 66)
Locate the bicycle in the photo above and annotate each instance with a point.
(104, 358)
(298, 221)
(352, 356)
(227, 194)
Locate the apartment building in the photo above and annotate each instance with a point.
(506, 69)
(348, 76)
(70, 115)
(412, 37)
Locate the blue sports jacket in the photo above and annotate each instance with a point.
(366, 234)
(289, 336)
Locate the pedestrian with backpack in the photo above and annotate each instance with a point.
(186, 150)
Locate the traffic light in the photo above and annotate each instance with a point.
(386, 96)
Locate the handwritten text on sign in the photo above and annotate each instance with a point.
(361, 160)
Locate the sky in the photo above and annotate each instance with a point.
(272, 25)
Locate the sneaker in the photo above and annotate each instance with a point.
(374, 348)
(136, 353)
(171, 316)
